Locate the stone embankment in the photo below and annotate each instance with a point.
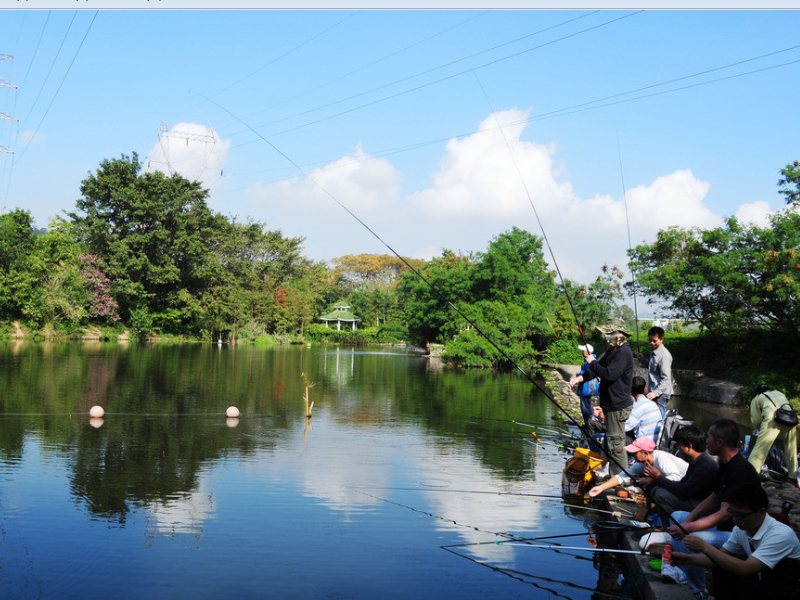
(690, 384)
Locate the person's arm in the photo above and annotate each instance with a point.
(755, 412)
(633, 420)
(686, 488)
(722, 558)
(708, 506)
(715, 519)
(599, 489)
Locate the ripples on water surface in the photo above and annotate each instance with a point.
(167, 499)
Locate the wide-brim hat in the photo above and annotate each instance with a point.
(614, 326)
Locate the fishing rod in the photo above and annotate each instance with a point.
(630, 247)
(439, 293)
(531, 539)
(556, 547)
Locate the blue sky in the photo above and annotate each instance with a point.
(391, 113)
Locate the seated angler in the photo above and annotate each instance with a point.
(644, 450)
(761, 558)
(695, 486)
(645, 419)
(710, 520)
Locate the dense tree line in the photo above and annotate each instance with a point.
(145, 251)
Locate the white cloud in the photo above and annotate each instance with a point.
(363, 184)
(475, 194)
(193, 150)
(755, 213)
(27, 137)
(478, 175)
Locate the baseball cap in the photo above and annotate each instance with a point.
(641, 444)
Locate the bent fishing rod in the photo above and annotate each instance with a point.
(441, 294)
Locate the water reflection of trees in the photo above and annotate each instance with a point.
(165, 405)
(140, 460)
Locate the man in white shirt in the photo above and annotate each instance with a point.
(761, 557)
(644, 450)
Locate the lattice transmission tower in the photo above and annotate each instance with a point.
(4, 116)
(167, 138)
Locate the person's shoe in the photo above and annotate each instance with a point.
(703, 595)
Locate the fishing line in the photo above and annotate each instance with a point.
(434, 289)
(434, 516)
(583, 428)
(630, 248)
(533, 206)
(518, 575)
(488, 492)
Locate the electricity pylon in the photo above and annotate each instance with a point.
(4, 116)
(167, 136)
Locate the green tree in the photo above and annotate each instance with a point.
(735, 276)
(789, 184)
(153, 232)
(429, 314)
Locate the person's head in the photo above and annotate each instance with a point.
(690, 436)
(638, 386)
(723, 434)
(586, 350)
(615, 333)
(656, 337)
(642, 448)
(760, 389)
(747, 506)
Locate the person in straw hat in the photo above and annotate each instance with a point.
(614, 368)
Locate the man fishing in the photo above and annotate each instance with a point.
(614, 368)
(659, 368)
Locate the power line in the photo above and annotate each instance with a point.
(63, 79)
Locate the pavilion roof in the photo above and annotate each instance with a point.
(340, 313)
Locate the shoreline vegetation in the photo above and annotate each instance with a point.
(144, 258)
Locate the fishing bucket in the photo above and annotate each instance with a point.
(609, 533)
(578, 473)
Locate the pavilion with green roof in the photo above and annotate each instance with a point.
(341, 314)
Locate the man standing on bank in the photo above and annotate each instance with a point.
(659, 369)
(615, 371)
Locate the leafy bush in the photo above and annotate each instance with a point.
(563, 351)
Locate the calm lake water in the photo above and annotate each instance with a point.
(166, 498)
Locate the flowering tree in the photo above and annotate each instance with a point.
(101, 305)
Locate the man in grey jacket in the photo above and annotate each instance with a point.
(659, 369)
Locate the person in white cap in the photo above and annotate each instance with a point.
(589, 388)
(644, 450)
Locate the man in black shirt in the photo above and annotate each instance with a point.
(695, 486)
(710, 519)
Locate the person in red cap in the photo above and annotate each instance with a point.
(645, 453)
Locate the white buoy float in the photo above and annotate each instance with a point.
(96, 412)
(96, 422)
(232, 412)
